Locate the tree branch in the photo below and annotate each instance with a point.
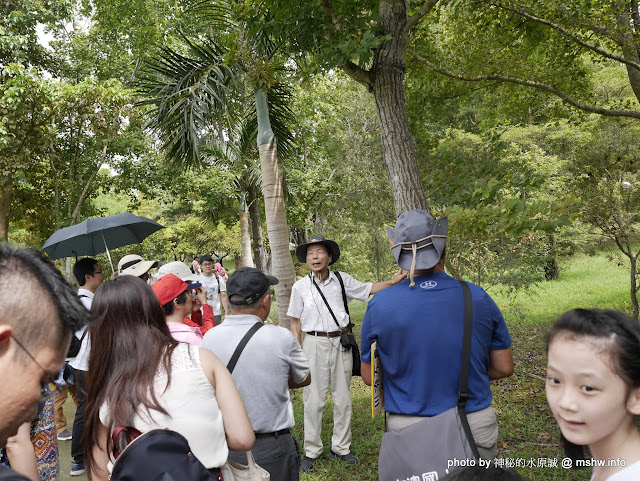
(358, 74)
(75, 216)
(570, 35)
(529, 83)
(416, 17)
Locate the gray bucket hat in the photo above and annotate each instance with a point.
(418, 240)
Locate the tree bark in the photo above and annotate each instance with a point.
(257, 241)
(5, 205)
(633, 285)
(275, 212)
(398, 146)
(552, 267)
(245, 239)
(628, 21)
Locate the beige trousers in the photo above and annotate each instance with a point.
(483, 424)
(58, 400)
(330, 365)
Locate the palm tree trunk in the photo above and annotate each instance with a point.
(275, 212)
(245, 239)
(257, 241)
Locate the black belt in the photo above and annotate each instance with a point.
(274, 434)
(325, 334)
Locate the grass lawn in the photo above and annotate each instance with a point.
(528, 433)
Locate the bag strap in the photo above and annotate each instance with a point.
(84, 334)
(463, 394)
(132, 434)
(217, 279)
(344, 294)
(80, 296)
(243, 342)
(325, 301)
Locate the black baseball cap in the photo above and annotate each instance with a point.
(249, 283)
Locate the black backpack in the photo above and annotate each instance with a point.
(76, 344)
(158, 455)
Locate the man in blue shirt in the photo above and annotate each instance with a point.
(418, 326)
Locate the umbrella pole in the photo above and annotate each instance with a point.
(108, 254)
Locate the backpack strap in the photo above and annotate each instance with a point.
(243, 342)
(84, 334)
(87, 328)
(463, 394)
(217, 279)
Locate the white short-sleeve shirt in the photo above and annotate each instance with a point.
(213, 296)
(307, 305)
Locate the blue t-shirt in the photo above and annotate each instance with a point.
(419, 334)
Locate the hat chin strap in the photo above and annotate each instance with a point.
(414, 250)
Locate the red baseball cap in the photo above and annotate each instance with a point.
(170, 286)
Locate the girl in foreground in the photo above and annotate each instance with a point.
(593, 389)
(140, 376)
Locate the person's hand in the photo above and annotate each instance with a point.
(201, 295)
(399, 277)
(114, 274)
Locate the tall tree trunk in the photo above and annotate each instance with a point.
(398, 146)
(5, 205)
(628, 19)
(633, 284)
(67, 272)
(275, 212)
(245, 239)
(257, 241)
(551, 267)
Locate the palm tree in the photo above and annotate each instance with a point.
(196, 98)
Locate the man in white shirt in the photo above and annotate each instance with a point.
(328, 359)
(90, 276)
(216, 288)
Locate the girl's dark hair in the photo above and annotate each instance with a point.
(621, 330)
(130, 339)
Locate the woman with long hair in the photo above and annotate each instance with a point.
(140, 376)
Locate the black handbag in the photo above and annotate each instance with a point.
(157, 454)
(347, 338)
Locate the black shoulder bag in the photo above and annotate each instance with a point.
(347, 338)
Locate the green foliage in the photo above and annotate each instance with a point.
(188, 95)
(503, 202)
(530, 56)
(337, 185)
(325, 35)
(18, 31)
